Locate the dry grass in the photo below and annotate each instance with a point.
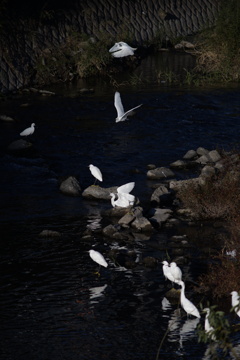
(219, 198)
(222, 278)
(218, 54)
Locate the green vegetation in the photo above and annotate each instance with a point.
(218, 339)
(75, 57)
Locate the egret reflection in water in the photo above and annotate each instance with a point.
(96, 293)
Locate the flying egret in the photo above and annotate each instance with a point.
(121, 115)
(28, 131)
(208, 328)
(121, 49)
(235, 302)
(187, 305)
(167, 272)
(176, 272)
(98, 258)
(124, 198)
(95, 171)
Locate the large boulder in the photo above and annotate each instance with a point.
(161, 195)
(70, 187)
(97, 192)
(160, 216)
(141, 224)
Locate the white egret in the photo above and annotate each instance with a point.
(167, 272)
(95, 171)
(121, 115)
(235, 302)
(124, 198)
(187, 305)
(28, 131)
(176, 272)
(98, 258)
(121, 49)
(208, 328)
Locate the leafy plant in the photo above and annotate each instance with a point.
(219, 336)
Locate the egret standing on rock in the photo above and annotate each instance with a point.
(235, 302)
(121, 115)
(176, 272)
(98, 258)
(28, 131)
(121, 49)
(95, 171)
(187, 305)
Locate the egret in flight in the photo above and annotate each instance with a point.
(187, 305)
(124, 199)
(28, 131)
(121, 115)
(95, 171)
(121, 49)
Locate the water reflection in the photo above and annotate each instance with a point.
(96, 293)
(187, 331)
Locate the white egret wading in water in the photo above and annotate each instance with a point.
(187, 305)
(95, 171)
(124, 198)
(121, 49)
(167, 272)
(235, 302)
(28, 131)
(176, 272)
(121, 115)
(98, 258)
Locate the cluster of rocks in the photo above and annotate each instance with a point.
(165, 211)
(124, 225)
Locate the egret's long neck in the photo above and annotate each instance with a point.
(182, 290)
(112, 200)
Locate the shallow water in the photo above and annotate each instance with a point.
(51, 303)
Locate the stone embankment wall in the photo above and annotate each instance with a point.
(23, 41)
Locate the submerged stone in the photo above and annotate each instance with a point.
(20, 145)
(50, 233)
(178, 164)
(160, 173)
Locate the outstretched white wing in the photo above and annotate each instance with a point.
(118, 105)
(126, 188)
(129, 112)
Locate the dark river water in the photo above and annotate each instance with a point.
(52, 306)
